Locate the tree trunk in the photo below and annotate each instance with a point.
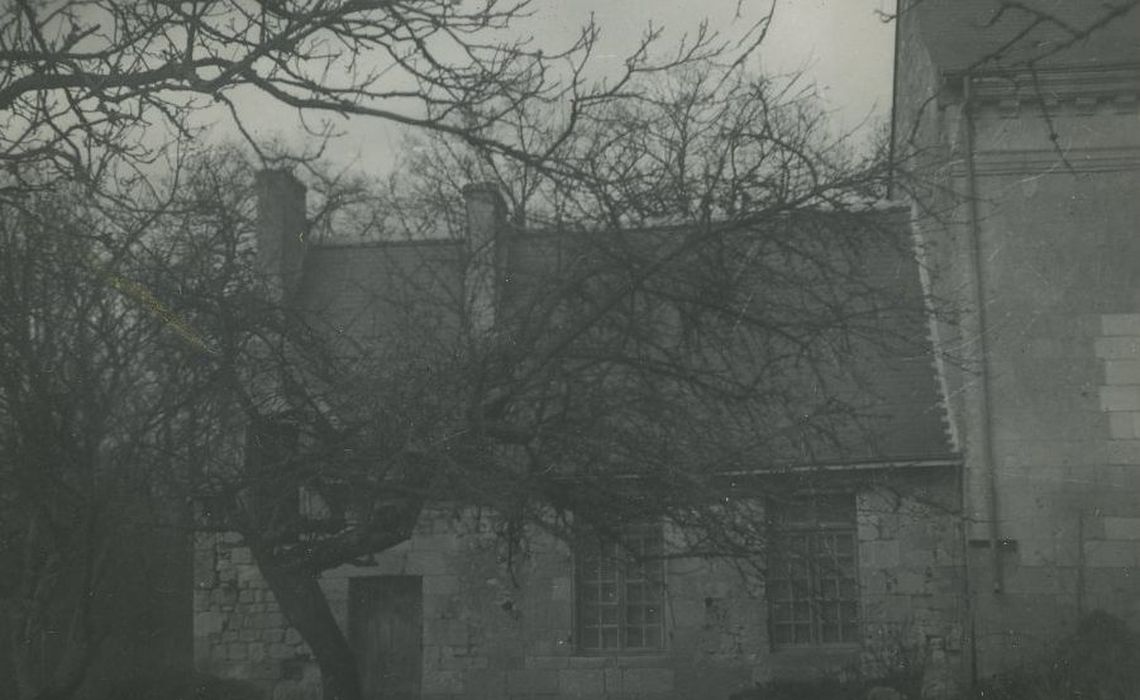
(305, 606)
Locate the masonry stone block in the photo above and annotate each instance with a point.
(1117, 348)
(248, 575)
(1122, 528)
(612, 677)
(1120, 324)
(586, 662)
(205, 566)
(427, 562)
(485, 683)
(448, 542)
(1122, 372)
(1120, 398)
(576, 683)
(441, 585)
(444, 631)
(279, 650)
(296, 690)
(541, 645)
(201, 600)
(438, 681)
(207, 623)
(1122, 424)
(1111, 553)
(547, 662)
(227, 573)
(880, 553)
(1124, 451)
(531, 681)
(643, 681)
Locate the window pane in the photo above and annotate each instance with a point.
(621, 591)
(812, 590)
(781, 612)
(610, 638)
(635, 615)
(780, 589)
(609, 615)
(847, 589)
(653, 615)
(782, 634)
(849, 613)
(802, 634)
(634, 637)
(654, 636)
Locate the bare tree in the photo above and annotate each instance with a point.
(699, 308)
(93, 87)
(88, 505)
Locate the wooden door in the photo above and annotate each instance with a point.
(385, 616)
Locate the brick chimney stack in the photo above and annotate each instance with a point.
(486, 229)
(281, 230)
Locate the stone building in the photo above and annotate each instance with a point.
(1003, 506)
(1022, 127)
(441, 615)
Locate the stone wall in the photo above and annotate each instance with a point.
(496, 631)
(239, 632)
(1110, 532)
(1056, 270)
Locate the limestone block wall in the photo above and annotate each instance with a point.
(1056, 269)
(499, 624)
(1111, 535)
(912, 581)
(239, 631)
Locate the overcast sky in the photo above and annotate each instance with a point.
(842, 46)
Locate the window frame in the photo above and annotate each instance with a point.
(819, 535)
(638, 548)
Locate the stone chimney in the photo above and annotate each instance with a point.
(281, 230)
(486, 230)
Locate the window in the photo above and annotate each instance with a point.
(812, 586)
(620, 591)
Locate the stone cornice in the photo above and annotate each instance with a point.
(1083, 90)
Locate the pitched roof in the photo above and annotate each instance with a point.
(413, 292)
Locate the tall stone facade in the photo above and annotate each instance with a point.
(1028, 214)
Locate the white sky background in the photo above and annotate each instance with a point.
(842, 46)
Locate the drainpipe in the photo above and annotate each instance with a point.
(894, 102)
(978, 279)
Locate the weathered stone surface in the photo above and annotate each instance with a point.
(483, 637)
(578, 683)
(531, 682)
